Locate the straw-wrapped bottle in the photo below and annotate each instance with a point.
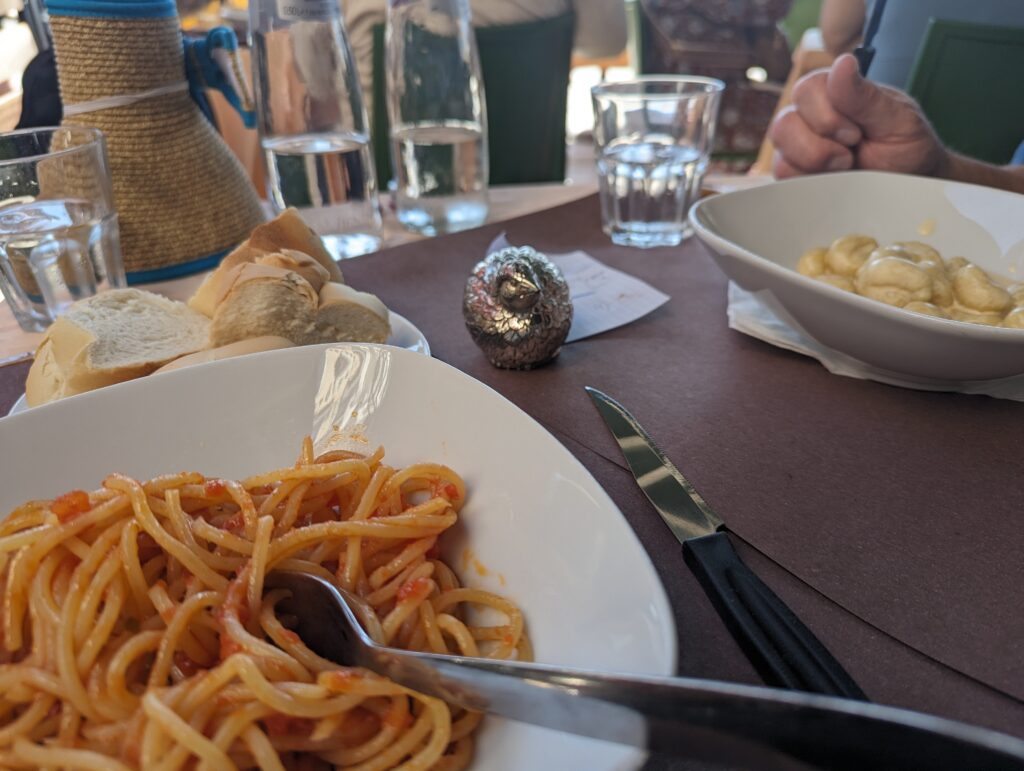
(183, 200)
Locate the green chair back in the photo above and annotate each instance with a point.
(525, 70)
(967, 79)
(803, 15)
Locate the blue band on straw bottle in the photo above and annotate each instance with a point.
(113, 9)
(175, 271)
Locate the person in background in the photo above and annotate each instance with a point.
(839, 121)
(40, 93)
(600, 26)
(842, 24)
(903, 27)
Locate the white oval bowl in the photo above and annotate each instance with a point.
(757, 235)
(537, 527)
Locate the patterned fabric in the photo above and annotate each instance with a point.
(722, 39)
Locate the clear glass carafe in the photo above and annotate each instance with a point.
(312, 122)
(438, 116)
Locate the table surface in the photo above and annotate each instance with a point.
(887, 519)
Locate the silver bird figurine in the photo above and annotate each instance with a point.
(517, 308)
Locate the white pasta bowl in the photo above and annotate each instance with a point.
(758, 234)
(536, 527)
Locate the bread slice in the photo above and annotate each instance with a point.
(241, 348)
(46, 381)
(346, 315)
(260, 300)
(289, 231)
(298, 262)
(114, 336)
(286, 234)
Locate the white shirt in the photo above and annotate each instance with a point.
(600, 26)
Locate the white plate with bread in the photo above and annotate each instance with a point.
(278, 289)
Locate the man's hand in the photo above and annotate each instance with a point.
(839, 120)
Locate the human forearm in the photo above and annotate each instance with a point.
(841, 23)
(964, 169)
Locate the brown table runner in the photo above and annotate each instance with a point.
(887, 518)
(903, 507)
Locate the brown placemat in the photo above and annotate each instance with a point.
(901, 506)
(12, 384)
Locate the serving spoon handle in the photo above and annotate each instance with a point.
(720, 722)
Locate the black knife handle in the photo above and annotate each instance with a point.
(782, 649)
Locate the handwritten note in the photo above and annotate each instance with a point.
(603, 298)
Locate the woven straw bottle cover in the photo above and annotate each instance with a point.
(182, 198)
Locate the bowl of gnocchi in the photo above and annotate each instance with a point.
(916, 276)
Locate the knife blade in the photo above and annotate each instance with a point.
(782, 649)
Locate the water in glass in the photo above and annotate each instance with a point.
(653, 137)
(54, 252)
(327, 178)
(312, 121)
(438, 116)
(442, 176)
(647, 188)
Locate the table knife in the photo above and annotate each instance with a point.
(781, 648)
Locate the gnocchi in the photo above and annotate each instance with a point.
(914, 276)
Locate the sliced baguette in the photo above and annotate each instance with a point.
(298, 262)
(289, 231)
(114, 336)
(347, 315)
(260, 300)
(286, 234)
(241, 348)
(205, 298)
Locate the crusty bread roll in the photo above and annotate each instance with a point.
(286, 235)
(346, 315)
(298, 262)
(114, 336)
(241, 348)
(288, 231)
(258, 300)
(203, 299)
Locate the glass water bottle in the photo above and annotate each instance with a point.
(312, 122)
(437, 114)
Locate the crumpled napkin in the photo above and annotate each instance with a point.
(760, 315)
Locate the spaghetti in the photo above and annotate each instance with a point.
(136, 631)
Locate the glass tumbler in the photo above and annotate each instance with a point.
(59, 240)
(653, 136)
(312, 122)
(438, 116)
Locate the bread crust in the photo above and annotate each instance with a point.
(289, 231)
(76, 353)
(260, 300)
(240, 348)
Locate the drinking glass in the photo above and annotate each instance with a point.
(59, 240)
(653, 137)
(312, 122)
(438, 116)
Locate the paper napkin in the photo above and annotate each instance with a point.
(603, 298)
(759, 315)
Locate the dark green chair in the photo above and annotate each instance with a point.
(525, 69)
(802, 16)
(967, 79)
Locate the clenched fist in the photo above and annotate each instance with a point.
(839, 121)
